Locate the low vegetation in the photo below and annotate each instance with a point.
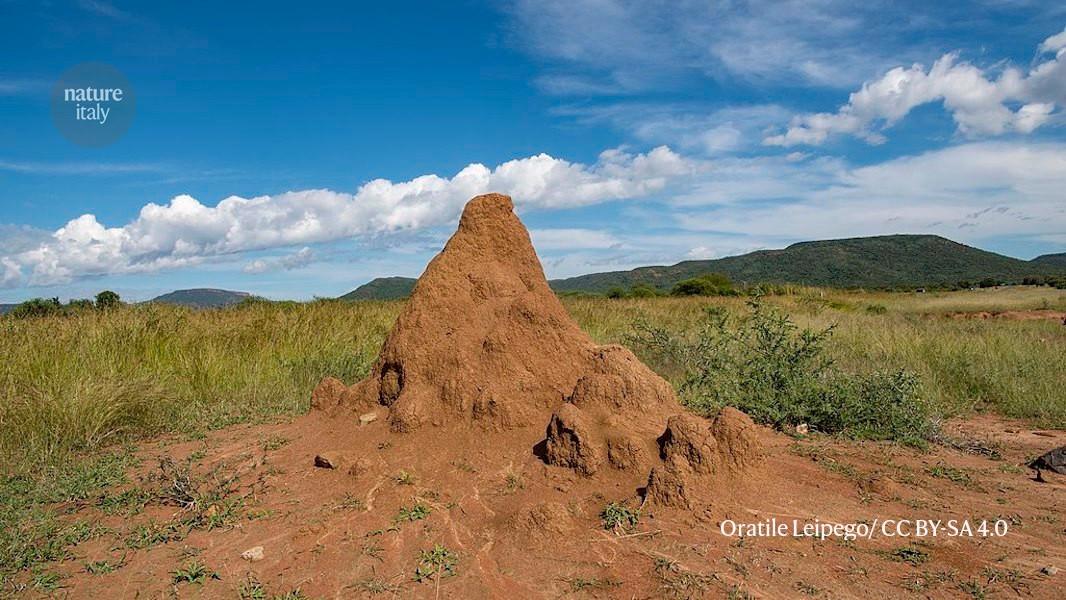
(76, 383)
(71, 383)
(618, 517)
(763, 364)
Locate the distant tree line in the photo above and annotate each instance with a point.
(47, 307)
(718, 284)
(711, 284)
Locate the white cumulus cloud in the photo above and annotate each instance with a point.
(186, 232)
(979, 103)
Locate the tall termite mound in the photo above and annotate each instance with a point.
(484, 342)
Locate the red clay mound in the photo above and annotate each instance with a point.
(485, 343)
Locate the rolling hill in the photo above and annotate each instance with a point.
(1051, 260)
(889, 261)
(871, 262)
(382, 288)
(202, 298)
(6, 308)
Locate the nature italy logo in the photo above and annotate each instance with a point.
(93, 104)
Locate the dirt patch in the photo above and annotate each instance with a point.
(519, 528)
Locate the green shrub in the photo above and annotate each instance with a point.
(712, 284)
(617, 517)
(643, 290)
(107, 299)
(79, 304)
(766, 366)
(37, 307)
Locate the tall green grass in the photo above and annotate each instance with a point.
(78, 383)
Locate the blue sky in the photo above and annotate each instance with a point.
(301, 151)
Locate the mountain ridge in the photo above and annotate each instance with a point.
(202, 297)
(879, 262)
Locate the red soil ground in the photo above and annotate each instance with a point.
(523, 529)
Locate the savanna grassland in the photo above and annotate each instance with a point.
(75, 384)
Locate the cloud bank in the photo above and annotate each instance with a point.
(185, 232)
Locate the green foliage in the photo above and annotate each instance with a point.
(618, 517)
(880, 262)
(251, 589)
(435, 564)
(712, 284)
(51, 307)
(766, 366)
(643, 290)
(31, 531)
(101, 567)
(71, 385)
(382, 288)
(193, 571)
(107, 300)
(79, 304)
(198, 298)
(417, 512)
(37, 307)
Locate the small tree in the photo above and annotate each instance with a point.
(107, 300)
(711, 284)
(79, 304)
(643, 290)
(37, 307)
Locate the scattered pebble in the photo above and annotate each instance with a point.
(253, 554)
(1050, 570)
(368, 418)
(802, 429)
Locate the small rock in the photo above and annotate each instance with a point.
(327, 461)
(368, 418)
(253, 554)
(802, 429)
(1050, 570)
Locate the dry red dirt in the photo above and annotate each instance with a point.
(493, 429)
(523, 529)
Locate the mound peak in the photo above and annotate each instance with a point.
(484, 343)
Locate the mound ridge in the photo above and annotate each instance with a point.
(484, 343)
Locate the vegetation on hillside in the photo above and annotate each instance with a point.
(881, 262)
(382, 288)
(900, 262)
(203, 298)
